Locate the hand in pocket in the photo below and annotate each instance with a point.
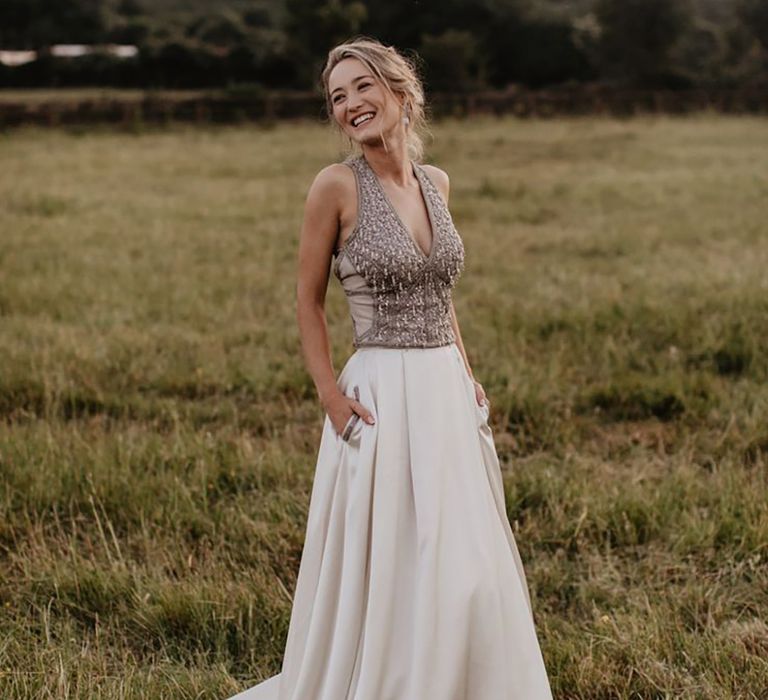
(348, 413)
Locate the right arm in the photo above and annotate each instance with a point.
(319, 231)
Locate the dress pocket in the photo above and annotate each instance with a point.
(351, 428)
(482, 411)
(485, 410)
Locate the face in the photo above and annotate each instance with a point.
(362, 106)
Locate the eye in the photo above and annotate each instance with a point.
(362, 86)
(337, 99)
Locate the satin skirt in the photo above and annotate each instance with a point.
(410, 585)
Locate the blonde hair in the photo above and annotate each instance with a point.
(396, 72)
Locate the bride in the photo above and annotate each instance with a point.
(410, 585)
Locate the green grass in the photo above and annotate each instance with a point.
(159, 431)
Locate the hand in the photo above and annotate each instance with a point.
(340, 409)
(480, 396)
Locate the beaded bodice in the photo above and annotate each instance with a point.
(398, 295)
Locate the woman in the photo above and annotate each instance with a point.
(410, 585)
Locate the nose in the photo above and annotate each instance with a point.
(353, 102)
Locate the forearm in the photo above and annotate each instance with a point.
(315, 345)
(459, 341)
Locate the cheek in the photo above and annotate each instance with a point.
(379, 100)
(338, 115)
(389, 109)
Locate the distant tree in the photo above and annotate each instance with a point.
(18, 16)
(405, 23)
(38, 23)
(637, 38)
(463, 43)
(258, 17)
(179, 65)
(700, 53)
(277, 70)
(314, 27)
(526, 45)
(223, 29)
(317, 25)
(136, 31)
(451, 60)
(130, 8)
(754, 13)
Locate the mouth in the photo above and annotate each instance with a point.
(362, 118)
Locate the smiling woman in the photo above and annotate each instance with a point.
(410, 584)
(366, 98)
(362, 70)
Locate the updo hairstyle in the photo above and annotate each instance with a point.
(396, 72)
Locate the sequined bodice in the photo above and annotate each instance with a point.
(398, 295)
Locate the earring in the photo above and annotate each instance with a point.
(406, 118)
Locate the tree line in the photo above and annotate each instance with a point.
(461, 45)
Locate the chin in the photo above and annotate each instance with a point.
(354, 138)
(372, 139)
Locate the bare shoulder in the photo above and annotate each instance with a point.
(335, 181)
(440, 178)
(330, 199)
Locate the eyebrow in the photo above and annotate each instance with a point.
(354, 80)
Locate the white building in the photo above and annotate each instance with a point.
(17, 58)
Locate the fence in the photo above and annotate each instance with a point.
(222, 108)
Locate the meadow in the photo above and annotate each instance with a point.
(158, 430)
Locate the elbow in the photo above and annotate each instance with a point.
(307, 303)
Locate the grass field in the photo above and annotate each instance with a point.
(159, 431)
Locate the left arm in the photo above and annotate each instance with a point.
(459, 342)
(443, 184)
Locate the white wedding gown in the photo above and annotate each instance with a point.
(410, 585)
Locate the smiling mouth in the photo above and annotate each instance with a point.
(363, 118)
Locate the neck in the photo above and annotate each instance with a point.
(391, 163)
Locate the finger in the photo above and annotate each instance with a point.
(365, 414)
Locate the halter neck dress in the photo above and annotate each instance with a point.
(410, 585)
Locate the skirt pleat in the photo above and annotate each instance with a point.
(410, 586)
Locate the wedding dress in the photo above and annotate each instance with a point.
(410, 585)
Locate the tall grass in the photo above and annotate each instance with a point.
(159, 431)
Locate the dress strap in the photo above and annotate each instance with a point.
(354, 164)
(359, 166)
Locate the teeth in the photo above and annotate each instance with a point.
(362, 118)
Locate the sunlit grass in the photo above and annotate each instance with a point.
(159, 429)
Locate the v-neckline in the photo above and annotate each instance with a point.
(403, 227)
